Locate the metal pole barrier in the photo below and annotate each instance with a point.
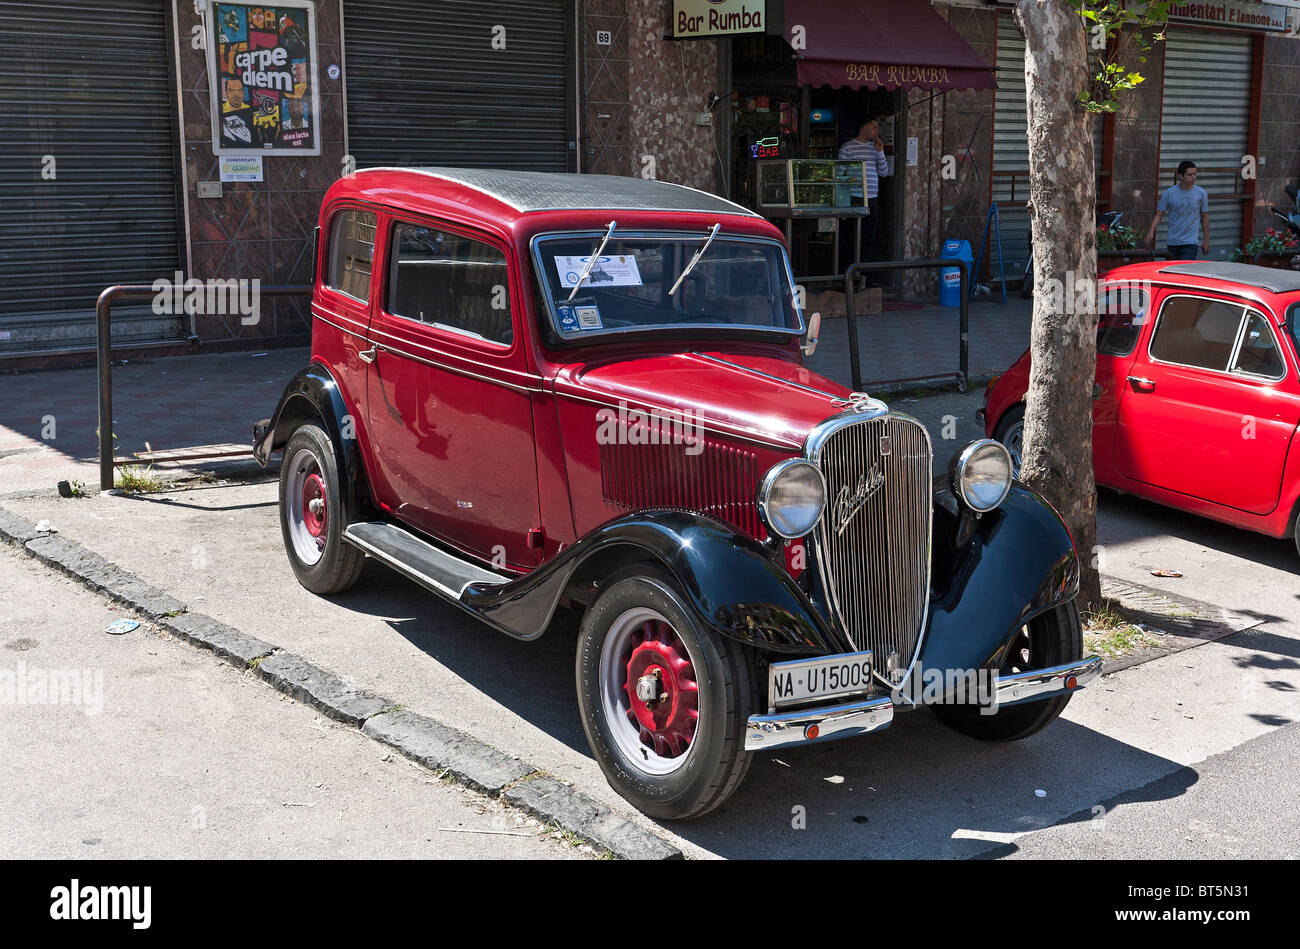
(963, 314)
(104, 360)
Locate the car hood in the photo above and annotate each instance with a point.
(766, 398)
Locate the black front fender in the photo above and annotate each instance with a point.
(313, 395)
(737, 587)
(991, 575)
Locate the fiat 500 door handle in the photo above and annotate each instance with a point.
(368, 355)
(1141, 385)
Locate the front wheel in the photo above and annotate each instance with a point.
(664, 701)
(1052, 639)
(1011, 433)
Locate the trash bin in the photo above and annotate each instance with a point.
(950, 277)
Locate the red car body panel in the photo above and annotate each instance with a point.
(518, 423)
(1216, 444)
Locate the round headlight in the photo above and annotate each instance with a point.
(981, 475)
(792, 498)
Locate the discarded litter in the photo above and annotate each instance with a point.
(120, 626)
(1165, 573)
(45, 527)
(1039, 792)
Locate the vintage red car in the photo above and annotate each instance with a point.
(537, 393)
(1197, 397)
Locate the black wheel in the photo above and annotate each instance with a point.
(664, 701)
(310, 515)
(1027, 285)
(1011, 433)
(1052, 639)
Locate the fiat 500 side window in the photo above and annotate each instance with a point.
(1198, 332)
(1259, 354)
(352, 253)
(450, 281)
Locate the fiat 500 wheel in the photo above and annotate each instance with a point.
(664, 701)
(310, 516)
(1052, 639)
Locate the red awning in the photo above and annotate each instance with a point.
(889, 44)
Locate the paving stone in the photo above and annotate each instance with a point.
(442, 748)
(554, 801)
(322, 690)
(226, 641)
(100, 575)
(15, 529)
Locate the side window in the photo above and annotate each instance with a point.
(352, 253)
(450, 280)
(1197, 332)
(1259, 354)
(1123, 311)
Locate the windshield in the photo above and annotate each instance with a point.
(737, 282)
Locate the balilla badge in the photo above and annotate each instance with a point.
(847, 504)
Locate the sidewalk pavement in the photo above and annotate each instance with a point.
(48, 419)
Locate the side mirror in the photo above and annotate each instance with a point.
(814, 333)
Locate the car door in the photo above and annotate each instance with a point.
(448, 398)
(1123, 313)
(1208, 410)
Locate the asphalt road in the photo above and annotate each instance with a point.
(915, 790)
(168, 752)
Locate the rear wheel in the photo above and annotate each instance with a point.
(311, 519)
(1052, 639)
(664, 701)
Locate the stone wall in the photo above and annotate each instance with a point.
(263, 229)
(1279, 134)
(1135, 184)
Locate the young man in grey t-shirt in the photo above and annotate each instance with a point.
(1188, 207)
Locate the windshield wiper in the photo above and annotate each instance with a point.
(713, 232)
(591, 261)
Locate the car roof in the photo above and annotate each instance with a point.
(528, 192)
(1247, 275)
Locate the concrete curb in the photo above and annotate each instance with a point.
(424, 740)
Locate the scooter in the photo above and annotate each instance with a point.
(1290, 216)
(1107, 219)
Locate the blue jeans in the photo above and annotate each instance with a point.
(1182, 251)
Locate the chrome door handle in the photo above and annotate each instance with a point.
(368, 355)
(1141, 385)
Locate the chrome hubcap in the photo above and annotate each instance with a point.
(307, 507)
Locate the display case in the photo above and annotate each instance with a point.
(810, 187)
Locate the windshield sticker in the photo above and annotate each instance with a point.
(612, 270)
(584, 316)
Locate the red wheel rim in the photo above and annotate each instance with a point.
(314, 515)
(667, 724)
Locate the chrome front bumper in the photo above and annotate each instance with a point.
(802, 726)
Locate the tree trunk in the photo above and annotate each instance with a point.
(1057, 454)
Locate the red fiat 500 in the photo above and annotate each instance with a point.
(1197, 396)
(532, 393)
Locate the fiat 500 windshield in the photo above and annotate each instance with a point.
(735, 282)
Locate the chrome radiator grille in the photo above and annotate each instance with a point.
(873, 542)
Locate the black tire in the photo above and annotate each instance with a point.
(1054, 638)
(309, 454)
(668, 779)
(1011, 433)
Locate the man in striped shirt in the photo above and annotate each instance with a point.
(867, 147)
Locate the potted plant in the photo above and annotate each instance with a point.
(1118, 244)
(1273, 248)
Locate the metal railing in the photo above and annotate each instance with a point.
(104, 365)
(962, 376)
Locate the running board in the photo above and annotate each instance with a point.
(424, 563)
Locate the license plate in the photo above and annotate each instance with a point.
(802, 679)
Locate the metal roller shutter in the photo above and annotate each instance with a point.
(425, 86)
(1011, 147)
(89, 85)
(1205, 118)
